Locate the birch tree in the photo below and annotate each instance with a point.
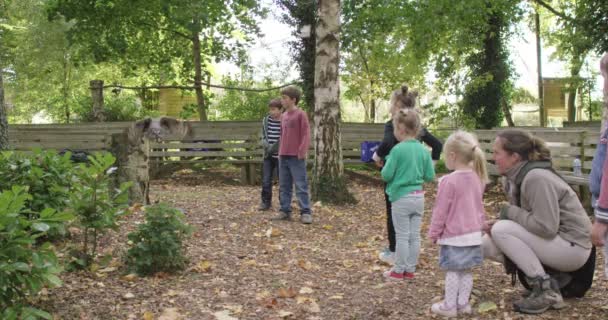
(328, 183)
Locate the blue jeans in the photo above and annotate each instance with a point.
(293, 170)
(407, 216)
(270, 164)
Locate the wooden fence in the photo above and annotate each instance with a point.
(238, 142)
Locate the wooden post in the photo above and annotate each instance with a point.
(97, 96)
(132, 161)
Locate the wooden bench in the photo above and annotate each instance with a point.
(238, 143)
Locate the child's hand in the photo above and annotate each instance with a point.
(598, 232)
(432, 241)
(488, 226)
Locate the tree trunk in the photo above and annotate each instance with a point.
(507, 111)
(198, 77)
(372, 110)
(328, 183)
(573, 86)
(541, 103)
(604, 72)
(97, 95)
(66, 87)
(4, 144)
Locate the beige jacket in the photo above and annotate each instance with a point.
(549, 207)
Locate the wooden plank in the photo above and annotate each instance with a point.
(205, 153)
(58, 145)
(185, 145)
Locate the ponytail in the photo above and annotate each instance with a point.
(479, 164)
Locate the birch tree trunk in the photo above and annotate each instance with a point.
(328, 183)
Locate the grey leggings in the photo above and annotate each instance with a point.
(528, 251)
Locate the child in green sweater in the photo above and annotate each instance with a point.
(407, 167)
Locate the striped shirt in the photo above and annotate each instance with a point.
(273, 132)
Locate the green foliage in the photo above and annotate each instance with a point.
(301, 13)
(490, 86)
(24, 267)
(95, 205)
(121, 107)
(157, 245)
(46, 175)
(239, 105)
(332, 191)
(440, 167)
(451, 112)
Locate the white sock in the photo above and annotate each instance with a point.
(465, 285)
(451, 289)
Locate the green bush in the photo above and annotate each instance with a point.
(25, 268)
(47, 177)
(122, 107)
(157, 243)
(96, 206)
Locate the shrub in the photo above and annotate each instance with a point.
(47, 177)
(95, 205)
(24, 267)
(157, 243)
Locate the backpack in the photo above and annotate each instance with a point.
(572, 284)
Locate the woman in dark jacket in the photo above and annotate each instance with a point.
(401, 99)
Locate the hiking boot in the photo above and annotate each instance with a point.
(306, 218)
(263, 207)
(282, 216)
(387, 256)
(441, 309)
(545, 294)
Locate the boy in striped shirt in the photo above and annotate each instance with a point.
(271, 132)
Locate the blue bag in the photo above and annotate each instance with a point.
(367, 150)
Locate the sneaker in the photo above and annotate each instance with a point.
(387, 256)
(408, 275)
(390, 275)
(440, 309)
(263, 207)
(282, 216)
(465, 309)
(306, 218)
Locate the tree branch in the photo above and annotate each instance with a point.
(554, 11)
(202, 84)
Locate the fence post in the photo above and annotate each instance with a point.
(97, 96)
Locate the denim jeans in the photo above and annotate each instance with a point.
(407, 217)
(293, 170)
(268, 168)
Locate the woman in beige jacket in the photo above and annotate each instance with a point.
(544, 223)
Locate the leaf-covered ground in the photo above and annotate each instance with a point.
(244, 266)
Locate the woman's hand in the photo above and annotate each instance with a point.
(598, 233)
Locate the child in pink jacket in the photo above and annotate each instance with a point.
(458, 219)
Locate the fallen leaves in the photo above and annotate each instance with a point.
(203, 266)
(286, 293)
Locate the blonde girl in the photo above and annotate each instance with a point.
(458, 219)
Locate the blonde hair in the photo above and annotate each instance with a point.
(410, 119)
(466, 147)
(528, 146)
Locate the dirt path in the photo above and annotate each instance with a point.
(246, 267)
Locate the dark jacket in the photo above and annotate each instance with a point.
(389, 141)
